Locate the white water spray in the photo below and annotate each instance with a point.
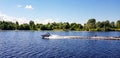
(82, 37)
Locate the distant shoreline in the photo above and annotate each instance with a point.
(60, 30)
(91, 25)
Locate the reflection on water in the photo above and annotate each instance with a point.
(28, 44)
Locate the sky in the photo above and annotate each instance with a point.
(44, 11)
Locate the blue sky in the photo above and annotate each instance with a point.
(62, 10)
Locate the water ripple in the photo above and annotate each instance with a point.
(28, 44)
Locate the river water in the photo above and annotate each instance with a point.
(29, 44)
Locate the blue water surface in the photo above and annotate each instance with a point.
(28, 44)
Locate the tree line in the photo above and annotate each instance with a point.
(91, 25)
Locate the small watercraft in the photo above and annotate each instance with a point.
(45, 35)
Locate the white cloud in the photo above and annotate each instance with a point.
(4, 17)
(29, 7)
(19, 6)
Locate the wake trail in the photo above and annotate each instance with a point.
(83, 37)
(55, 37)
(62, 37)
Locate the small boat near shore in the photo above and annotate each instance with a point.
(45, 35)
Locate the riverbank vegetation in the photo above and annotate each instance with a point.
(90, 25)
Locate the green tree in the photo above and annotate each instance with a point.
(24, 26)
(118, 24)
(99, 24)
(106, 25)
(66, 26)
(1, 25)
(16, 26)
(85, 27)
(75, 26)
(91, 24)
(32, 25)
(112, 24)
(38, 26)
